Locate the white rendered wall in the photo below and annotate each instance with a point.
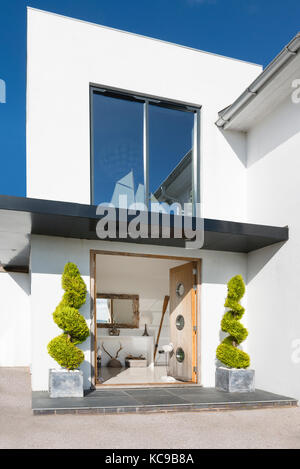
(66, 55)
(274, 272)
(15, 332)
(48, 257)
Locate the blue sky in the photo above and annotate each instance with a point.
(252, 30)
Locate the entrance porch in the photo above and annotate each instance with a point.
(147, 400)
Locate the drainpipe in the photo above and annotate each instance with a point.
(285, 56)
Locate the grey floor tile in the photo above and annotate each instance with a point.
(160, 400)
(147, 392)
(182, 391)
(111, 402)
(105, 393)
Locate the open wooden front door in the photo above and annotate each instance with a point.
(183, 314)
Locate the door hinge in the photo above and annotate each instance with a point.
(194, 271)
(195, 369)
(195, 329)
(195, 287)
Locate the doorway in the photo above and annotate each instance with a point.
(145, 311)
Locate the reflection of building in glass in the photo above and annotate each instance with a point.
(2, 92)
(124, 195)
(177, 187)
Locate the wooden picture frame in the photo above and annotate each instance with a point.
(135, 310)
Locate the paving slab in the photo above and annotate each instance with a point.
(154, 399)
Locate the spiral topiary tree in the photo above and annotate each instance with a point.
(63, 348)
(228, 351)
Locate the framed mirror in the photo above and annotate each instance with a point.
(116, 310)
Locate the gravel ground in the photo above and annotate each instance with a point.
(265, 428)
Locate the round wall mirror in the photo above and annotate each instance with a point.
(179, 355)
(180, 289)
(180, 322)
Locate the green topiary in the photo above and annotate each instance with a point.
(63, 348)
(227, 352)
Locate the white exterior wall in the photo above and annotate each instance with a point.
(66, 55)
(274, 272)
(15, 332)
(48, 257)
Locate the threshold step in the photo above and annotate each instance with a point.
(151, 400)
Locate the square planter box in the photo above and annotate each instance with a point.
(235, 380)
(64, 383)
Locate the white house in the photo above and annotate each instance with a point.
(112, 113)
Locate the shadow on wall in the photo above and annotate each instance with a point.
(237, 142)
(265, 138)
(85, 309)
(219, 267)
(260, 258)
(22, 280)
(222, 336)
(274, 131)
(88, 371)
(22, 257)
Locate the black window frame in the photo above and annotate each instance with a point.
(156, 101)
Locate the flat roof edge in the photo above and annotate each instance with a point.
(142, 36)
(22, 217)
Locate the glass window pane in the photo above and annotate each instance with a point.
(118, 150)
(170, 155)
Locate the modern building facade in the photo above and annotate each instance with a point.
(111, 114)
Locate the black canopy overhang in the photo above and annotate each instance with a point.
(20, 217)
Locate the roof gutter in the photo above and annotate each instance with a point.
(282, 59)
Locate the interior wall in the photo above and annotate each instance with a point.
(274, 272)
(146, 277)
(15, 332)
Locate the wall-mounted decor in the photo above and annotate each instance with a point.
(115, 311)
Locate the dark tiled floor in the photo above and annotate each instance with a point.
(156, 399)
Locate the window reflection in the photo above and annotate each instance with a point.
(122, 165)
(118, 150)
(170, 162)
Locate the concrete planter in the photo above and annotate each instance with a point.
(63, 383)
(235, 380)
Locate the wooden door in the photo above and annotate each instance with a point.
(183, 330)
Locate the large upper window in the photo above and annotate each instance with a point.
(118, 149)
(170, 154)
(143, 151)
